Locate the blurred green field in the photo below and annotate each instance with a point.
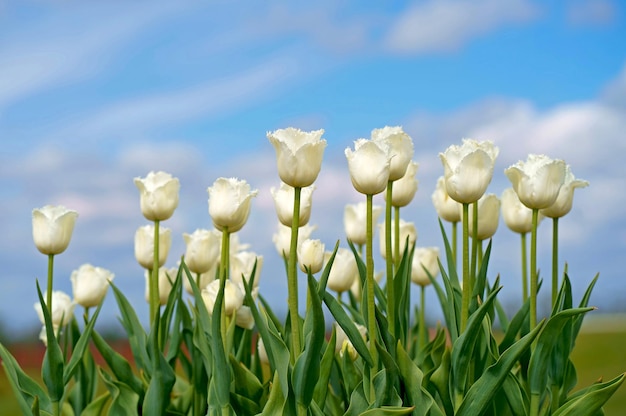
(600, 352)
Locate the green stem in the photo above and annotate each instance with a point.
(524, 269)
(555, 397)
(49, 288)
(292, 277)
(389, 257)
(396, 237)
(480, 256)
(423, 334)
(466, 272)
(224, 269)
(369, 275)
(56, 408)
(454, 242)
(534, 404)
(533, 271)
(474, 246)
(154, 276)
(555, 259)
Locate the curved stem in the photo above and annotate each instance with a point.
(533, 271)
(369, 275)
(49, 288)
(390, 258)
(466, 272)
(154, 276)
(555, 259)
(524, 269)
(292, 277)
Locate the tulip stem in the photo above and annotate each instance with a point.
(423, 334)
(524, 269)
(49, 288)
(466, 277)
(390, 258)
(369, 275)
(224, 268)
(555, 259)
(454, 242)
(533, 270)
(292, 277)
(154, 277)
(396, 236)
(474, 264)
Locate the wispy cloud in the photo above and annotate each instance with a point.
(591, 12)
(444, 25)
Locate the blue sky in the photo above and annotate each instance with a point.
(93, 94)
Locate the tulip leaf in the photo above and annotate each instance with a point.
(80, 347)
(480, 394)
(96, 406)
(307, 367)
(246, 383)
(402, 286)
(276, 402)
(326, 364)
(124, 400)
(515, 326)
(221, 384)
(118, 364)
(590, 400)
(348, 327)
(411, 376)
(388, 411)
(53, 363)
(157, 398)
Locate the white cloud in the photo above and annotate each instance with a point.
(591, 12)
(443, 25)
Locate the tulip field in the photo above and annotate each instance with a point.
(214, 346)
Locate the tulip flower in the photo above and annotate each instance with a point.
(356, 287)
(407, 229)
(158, 195)
(299, 155)
(241, 266)
(283, 201)
(468, 169)
(447, 208)
(62, 309)
(166, 277)
(144, 245)
(400, 147)
(425, 259)
(282, 238)
(369, 166)
(229, 203)
(563, 203)
(262, 352)
(488, 215)
(354, 221)
(404, 189)
(233, 298)
(516, 216)
(537, 181)
(52, 228)
(244, 318)
(205, 278)
(343, 344)
(90, 284)
(343, 270)
(311, 255)
(203, 250)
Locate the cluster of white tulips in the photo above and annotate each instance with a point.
(379, 359)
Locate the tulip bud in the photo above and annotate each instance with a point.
(144, 245)
(52, 228)
(262, 352)
(205, 279)
(241, 266)
(404, 189)
(167, 276)
(400, 149)
(488, 214)
(354, 221)
(468, 169)
(229, 203)
(299, 155)
(233, 298)
(565, 199)
(407, 229)
(369, 166)
(244, 318)
(517, 216)
(446, 207)
(343, 271)
(283, 201)
(90, 284)
(311, 255)
(203, 250)
(282, 237)
(356, 288)
(158, 195)
(537, 181)
(62, 309)
(342, 342)
(424, 258)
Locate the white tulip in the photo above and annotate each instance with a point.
(283, 201)
(52, 228)
(488, 215)
(404, 189)
(424, 258)
(233, 298)
(144, 245)
(369, 166)
(62, 309)
(167, 276)
(90, 284)
(354, 221)
(537, 181)
(343, 271)
(158, 195)
(400, 149)
(565, 199)
(446, 207)
(311, 255)
(407, 229)
(229, 203)
(203, 250)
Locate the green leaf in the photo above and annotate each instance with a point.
(480, 394)
(326, 365)
(390, 411)
(97, 406)
(80, 347)
(590, 400)
(515, 326)
(118, 364)
(246, 383)
(124, 399)
(441, 380)
(157, 398)
(53, 362)
(412, 376)
(307, 367)
(276, 401)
